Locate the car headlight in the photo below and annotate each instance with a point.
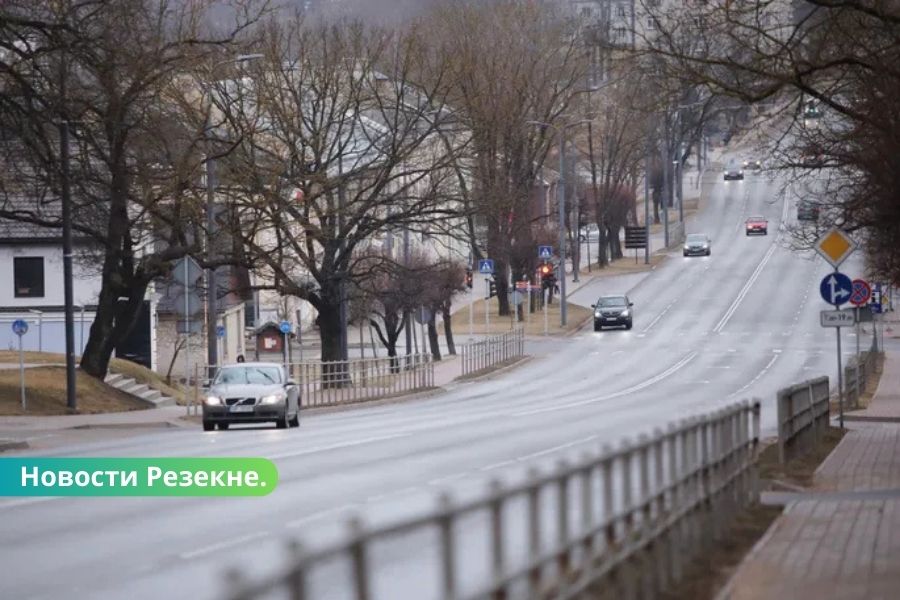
(741, 172)
(686, 247)
(275, 398)
(213, 401)
(597, 313)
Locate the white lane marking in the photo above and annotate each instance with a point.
(635, 388)
(658, 317)
(746, 289)
(319, 515)
(533, 455)
(758, 376)
(448, 478)
(618, 352)
(222, 545)
(380, 438)
(401, 492)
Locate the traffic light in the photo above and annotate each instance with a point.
(469, 278)
(546, 273)
(492, 287)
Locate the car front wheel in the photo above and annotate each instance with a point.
(295, 421)
(597, 326)
(628, 325)
(208, 426)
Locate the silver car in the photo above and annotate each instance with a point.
(251, 393)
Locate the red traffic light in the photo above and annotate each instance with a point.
(545, 270)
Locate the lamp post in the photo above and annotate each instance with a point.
(212, 341)
(561, 196)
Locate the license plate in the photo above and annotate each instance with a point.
(241, 408)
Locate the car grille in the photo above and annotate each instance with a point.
(233, 401)
(610, 314)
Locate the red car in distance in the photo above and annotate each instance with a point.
(757, 226)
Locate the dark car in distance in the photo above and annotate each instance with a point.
(753, 164)
(757, 226)
(733, 171)
(251, 393)
(612, 311)
(697, 244)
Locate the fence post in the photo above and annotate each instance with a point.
(499, 592)
(358, 556)
(445, 506)
(534, 531)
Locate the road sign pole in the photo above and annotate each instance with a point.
(187, 323)
(528, 311)
(840, 378)
(857, 355)
(544, 302)
(22, 372)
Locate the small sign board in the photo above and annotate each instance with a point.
(837, 318)
(284, 327)
(836, 288)
(635, 237)
(835, 246)
(20, 327)
(545, 252)
(220, 331)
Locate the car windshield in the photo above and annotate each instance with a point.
(610, 301)
(696, 238)
(248, 375)
(756, 219)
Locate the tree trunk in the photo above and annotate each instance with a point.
(615, 245)
(448, 329)
(113, 322)
(433, 337)
(334, 370)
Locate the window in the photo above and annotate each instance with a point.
(620, 33)
(652, 23)
(621, 11)
(586, 11)
(28, 276)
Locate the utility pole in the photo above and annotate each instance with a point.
(561, 195)
(647, 201)
(66, 199)
(212, 343)
(665, 191)
(407, 326)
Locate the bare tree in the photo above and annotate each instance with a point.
(336, 144)
(111, 70)
(513, 64)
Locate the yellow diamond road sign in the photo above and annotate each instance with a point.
(835, 246)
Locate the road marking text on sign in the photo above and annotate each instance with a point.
(861, 292)
(835, 246)
(837, 318)
(836, 288)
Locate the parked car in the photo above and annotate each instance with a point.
(697, 244)
(257, 392)
(732, 171)
(613, 311)
(757, 225)
(807, 211)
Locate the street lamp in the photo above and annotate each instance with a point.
(561, 194)
(212, 341)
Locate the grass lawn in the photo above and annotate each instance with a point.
(45, 393)
(116, 365)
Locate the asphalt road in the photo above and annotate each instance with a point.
(708, 331)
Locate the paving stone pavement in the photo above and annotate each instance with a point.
(844, 542)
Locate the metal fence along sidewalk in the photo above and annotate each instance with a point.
(491, 351)
(620, 523)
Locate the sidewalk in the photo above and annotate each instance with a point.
(841, 540)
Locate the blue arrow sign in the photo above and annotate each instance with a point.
(285, 327)
(545, 252)
(486, 266)
(836, 288)
(220, 331)
(20, 327)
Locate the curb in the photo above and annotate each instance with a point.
(7, 445)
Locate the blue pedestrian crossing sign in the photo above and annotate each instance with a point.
(486, 266)
(284, 327)
(220, 331)
(836, 288)
(545, 252)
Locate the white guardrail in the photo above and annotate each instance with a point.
(492, 350)
(624, 523)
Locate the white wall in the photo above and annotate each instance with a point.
(47, 334)
(86, 281)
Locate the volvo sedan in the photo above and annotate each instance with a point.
(251, 393)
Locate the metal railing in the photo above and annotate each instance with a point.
(803, 413)
(857, 375)
(623, 523)
(491, 351)
(345, 382)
